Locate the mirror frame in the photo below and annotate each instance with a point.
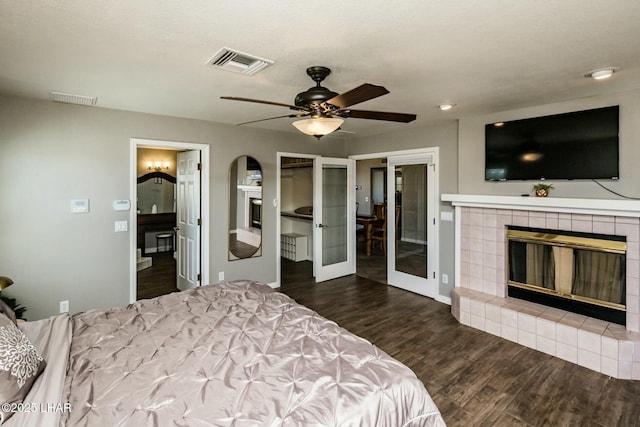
(163, 175)
(233, 212)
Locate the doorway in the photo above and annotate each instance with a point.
(158, 215)
(315, 205)
(407, 226)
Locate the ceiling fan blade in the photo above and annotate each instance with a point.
(377, 115)
(259, 101)
(360, 94)
(278, 117)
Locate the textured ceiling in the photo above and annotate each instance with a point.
(483, 56)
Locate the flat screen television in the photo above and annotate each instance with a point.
(576, 145)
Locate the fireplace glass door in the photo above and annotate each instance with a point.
(585, 269)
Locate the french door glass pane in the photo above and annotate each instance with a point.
(334, 215)
(411, 219)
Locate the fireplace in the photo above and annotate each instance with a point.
(482, 295)
(579, 272)
(255, 213)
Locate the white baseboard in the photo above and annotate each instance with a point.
(274, 285)
(443, 299)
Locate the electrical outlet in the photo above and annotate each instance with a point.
(221, 275)
(445, 279)
(64, 306)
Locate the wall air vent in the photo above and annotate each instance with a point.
(238, 62)
(69, 98)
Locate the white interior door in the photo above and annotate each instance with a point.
(411, 224)
(188, 220)
(333, 218)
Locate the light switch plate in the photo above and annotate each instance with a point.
(121, 226)
(121, 205)
(446, 216)
(79, 205)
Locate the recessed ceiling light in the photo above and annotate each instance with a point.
(445, 107)
(601, 74)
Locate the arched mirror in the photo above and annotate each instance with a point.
(156, 193)
(245, 208)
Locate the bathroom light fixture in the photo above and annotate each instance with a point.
(158, 166)
(445, 107)
(601, 74)
(318, 126)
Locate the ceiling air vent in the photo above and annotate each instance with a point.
(238, 62)
(69, 98)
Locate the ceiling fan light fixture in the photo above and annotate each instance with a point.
(319, 126)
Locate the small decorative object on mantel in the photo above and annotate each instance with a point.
(542, 190)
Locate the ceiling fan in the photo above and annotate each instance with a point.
(325, 110)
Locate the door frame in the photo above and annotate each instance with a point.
(136, 143)
(434, 247)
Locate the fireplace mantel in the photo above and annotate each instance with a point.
(610, 207)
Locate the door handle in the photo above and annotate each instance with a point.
(322, 226)
(176, 228)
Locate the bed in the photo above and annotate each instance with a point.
(229, 354)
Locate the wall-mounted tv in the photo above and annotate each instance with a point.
(576, 145)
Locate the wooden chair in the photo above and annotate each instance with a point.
(379, 232)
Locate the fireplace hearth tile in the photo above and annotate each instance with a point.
(589, 360)
(567, 335)
(594, 325)
(509, 317)
(625, 369)
(546, 328)
(609, 366)
(589, 341)
(526, 338)
(546, 345)
(573, 319)
(526, 322)
(509, 333)
(609, 347)
(553, 314)
(492, 327)
(567, 352)
(636, 371)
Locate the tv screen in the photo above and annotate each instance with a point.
(576, 145)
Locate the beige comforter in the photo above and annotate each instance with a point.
(233, 354)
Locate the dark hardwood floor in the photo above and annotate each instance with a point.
(475, 378)
(159, 279)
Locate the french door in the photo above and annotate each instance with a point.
(333, 218)
(411, 223)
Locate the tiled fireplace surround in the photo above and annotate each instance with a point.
(480, 300)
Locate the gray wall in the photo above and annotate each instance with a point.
(471, 150)
(51, 153)
(444, 136)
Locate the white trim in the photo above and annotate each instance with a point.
(204, 208)
(610, 207)
(444, 300)
(276, 203)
